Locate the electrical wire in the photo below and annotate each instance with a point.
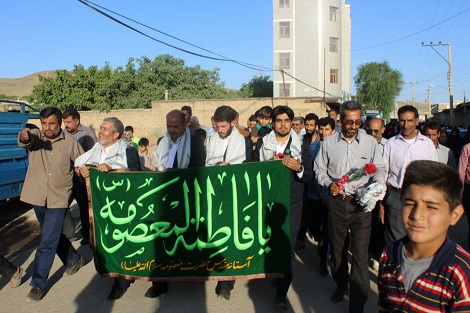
(94, 7)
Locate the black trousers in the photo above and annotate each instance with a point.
(311, 219)
(80, 195)
(377, 240)
(347, 217)
(394, 229)
(6, 268)
(295, 217)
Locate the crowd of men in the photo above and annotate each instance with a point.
(318, 152)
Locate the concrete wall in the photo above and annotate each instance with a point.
(151, 123)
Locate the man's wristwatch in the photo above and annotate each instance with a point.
(300, 169)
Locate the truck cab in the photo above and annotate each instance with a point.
(14, 116)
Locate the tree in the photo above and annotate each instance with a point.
(377, 86)
(136, 85)
(259, 86)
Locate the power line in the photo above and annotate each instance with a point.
(222, 58)
(413, 34)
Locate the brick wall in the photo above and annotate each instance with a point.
(151, 123)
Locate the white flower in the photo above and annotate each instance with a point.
(367, 196)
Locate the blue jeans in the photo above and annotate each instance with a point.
(52, 241)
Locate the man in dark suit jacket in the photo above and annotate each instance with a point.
(176, 150)
(283, 143)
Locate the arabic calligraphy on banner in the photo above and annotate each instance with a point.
(206, 223)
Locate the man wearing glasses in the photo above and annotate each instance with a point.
(408, 145)
(342, 154)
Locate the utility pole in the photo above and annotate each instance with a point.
(413, 92)
(284, 86)
(449, 62)
(324, 77)
(429, 100)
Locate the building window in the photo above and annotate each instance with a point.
(334, 76)
(334, 44)
(284, 29)
(284, 3)
(281, 90)
(333, 14)
(284, 60)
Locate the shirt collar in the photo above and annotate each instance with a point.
(418, 136)
(443, 257)
(358, 136)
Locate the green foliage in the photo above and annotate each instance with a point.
(259, 86)
(377, 86)
(135, 85)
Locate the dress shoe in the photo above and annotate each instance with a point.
(116, 293)
(324, 269)
(74, 268)
(156, 290)
(338, 295)
(280, 303)
(222, 292)
(36, 294)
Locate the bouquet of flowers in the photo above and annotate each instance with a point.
(366, 195)
(368, 169)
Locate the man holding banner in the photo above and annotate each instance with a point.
(109, 153)
(177, 150)
(283, 143)
(226, 147)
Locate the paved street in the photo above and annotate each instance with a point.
(86, 291)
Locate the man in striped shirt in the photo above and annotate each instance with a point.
(425, 271)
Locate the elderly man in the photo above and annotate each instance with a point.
(408, 145)
(343, 154)
(298, 125)
(298, 159)
(177, 150)
(86, 138)
(48, 187)
(225, 147)
(110, 153)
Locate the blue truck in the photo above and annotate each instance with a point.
(14, 116)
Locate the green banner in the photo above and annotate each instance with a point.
(201, 223)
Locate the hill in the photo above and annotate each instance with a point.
(21, 87)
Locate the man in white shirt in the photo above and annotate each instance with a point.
(444, 154)
(408, 145)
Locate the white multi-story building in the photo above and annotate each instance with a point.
(312, 42)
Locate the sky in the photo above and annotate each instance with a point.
(58, 34)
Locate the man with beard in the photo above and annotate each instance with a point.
(87, 139)
(48, 187)
(408, 145)
(177, 150)
(226, 147)
(311, 213)
(297, 157)
(344, 153)
(110, 153)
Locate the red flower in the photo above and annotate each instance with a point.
(280, 155)
(370, 168)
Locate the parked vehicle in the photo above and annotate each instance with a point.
(14, 116)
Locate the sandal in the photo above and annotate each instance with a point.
(15, 280)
